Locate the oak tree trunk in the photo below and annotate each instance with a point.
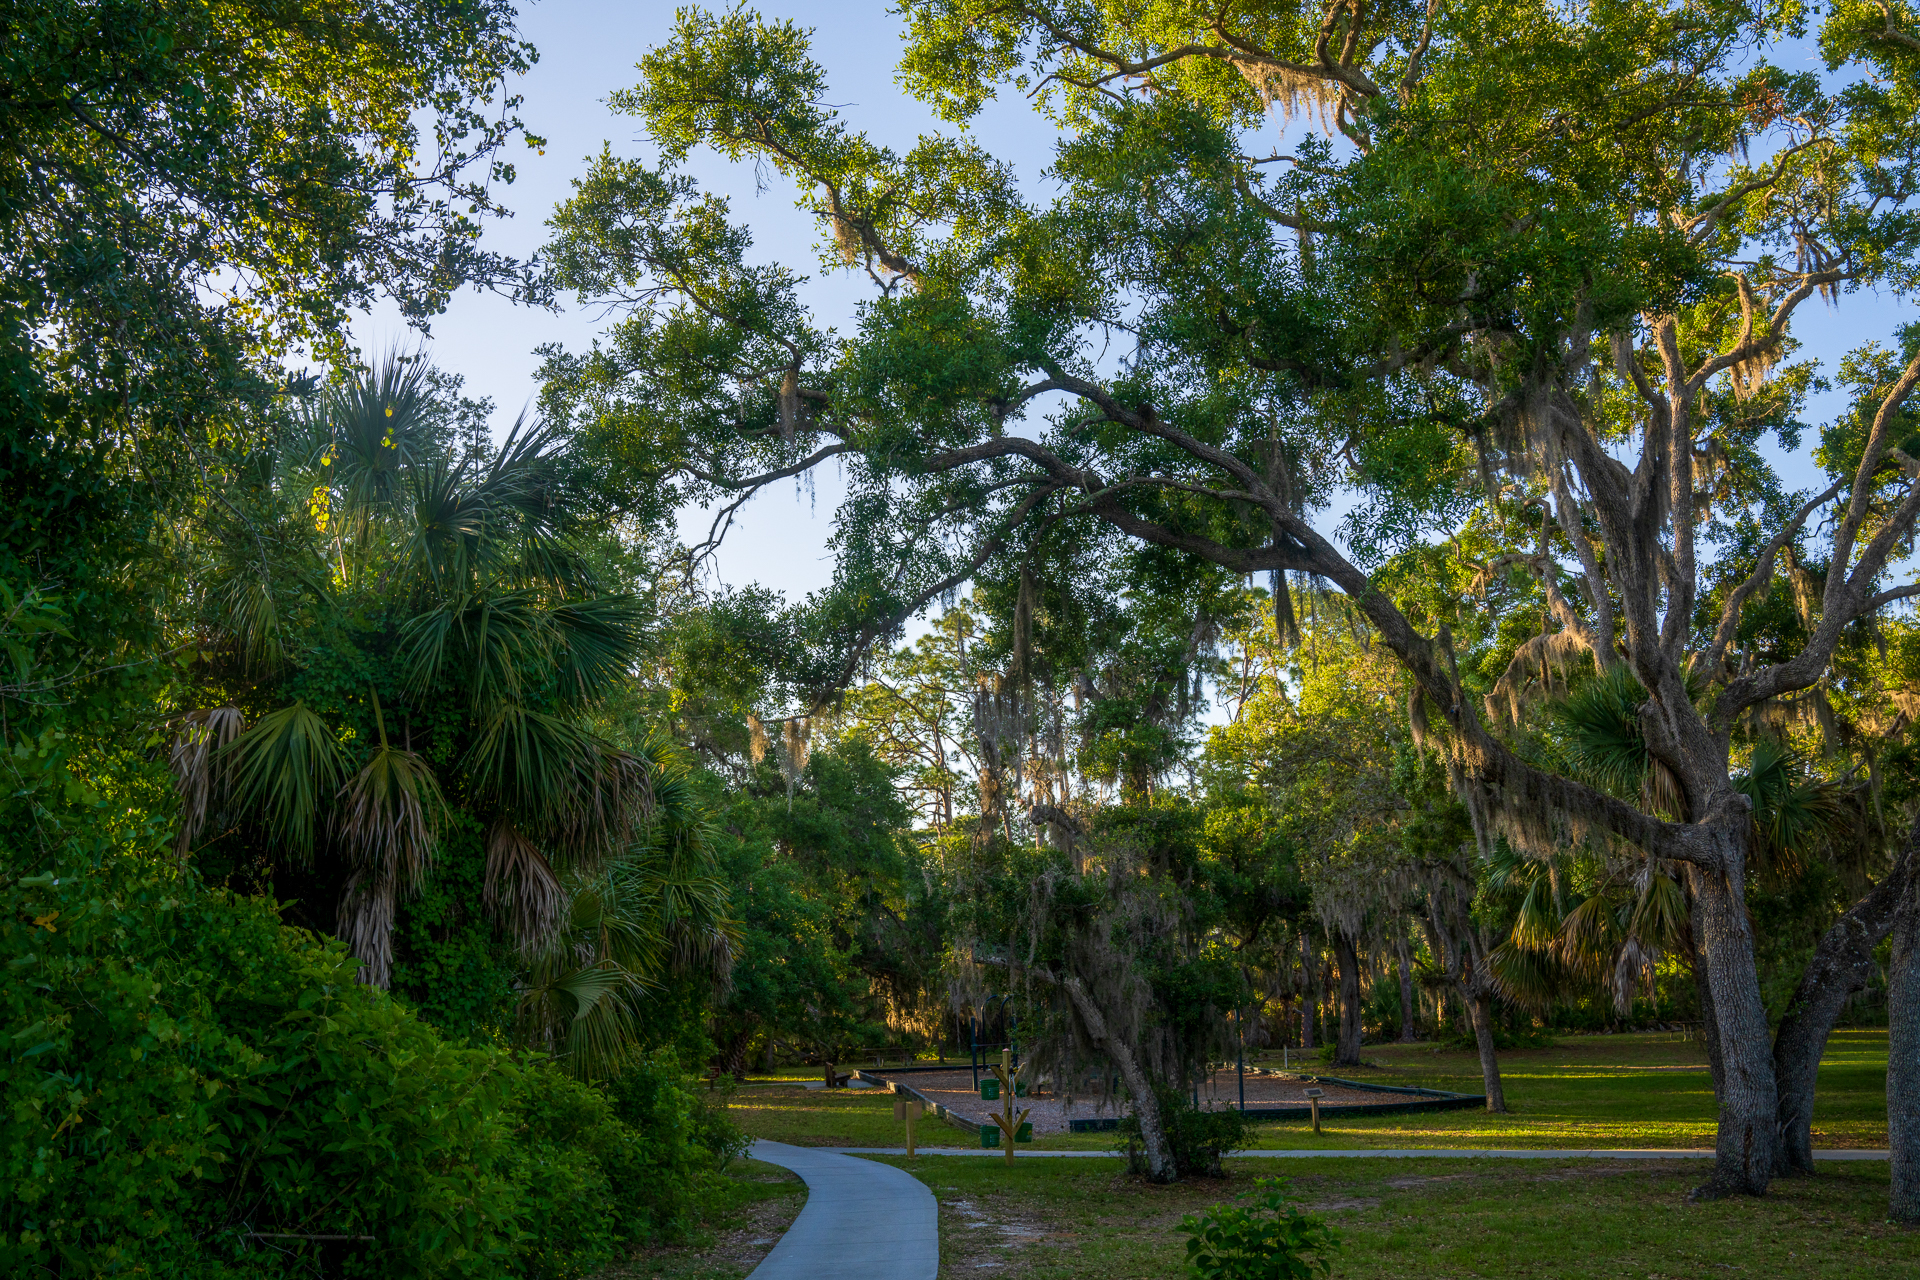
(1903, 1057)
(1744, 1083)
(1406, 993)
(1347, 954)
(1481, 1007)
(1156, 1149)
(1310, 1007)
(1841, 965)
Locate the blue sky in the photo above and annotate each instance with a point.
(588, 48)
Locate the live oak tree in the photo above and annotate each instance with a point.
(1518, 255)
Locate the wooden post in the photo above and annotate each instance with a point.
(1007, 1121)
(909, 1110)
(1313, 1100)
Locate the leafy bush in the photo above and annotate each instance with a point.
(192, 1088)
(1271, 1241)
(682, 1141)
(1199, 1138)
(578, 1164)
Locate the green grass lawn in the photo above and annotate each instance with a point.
(1597, 1091)
(1586, 1091)
(1426, 1219)
(1432, 1219)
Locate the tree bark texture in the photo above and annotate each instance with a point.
(1406, 993)
(1482, 1007)
(1347, 954)
(1903, 1057)
(1743, 1155)
(1309, 1007)
(1155, 1148)
(733, 1059)
(1841, 965)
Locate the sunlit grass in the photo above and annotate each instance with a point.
(1427, 1219)
(1627, 1091)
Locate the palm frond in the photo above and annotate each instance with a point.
(1659, 919)
(201, 773)
(598, 640)
(1599, 723)
(1529, 979)
(484, 644)
(374, 426)
(283, 767)
(521, 889)
(1794, 813)
(1590, 936)
(1537, 923)
(528, 761)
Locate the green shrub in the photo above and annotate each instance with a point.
(184, 1077)
(1271, 1241)
(1199, 1138)
(577, 1164)
(683, 1141)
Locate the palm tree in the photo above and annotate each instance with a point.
(1586, 920)
(465, 592)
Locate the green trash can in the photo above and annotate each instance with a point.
(1025, 1132)
(1019, 1088)
(989, 1090)
(989, 1135)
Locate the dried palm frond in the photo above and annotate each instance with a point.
(388, 813)
(366, 925)
(607, 797)
(1632, 966)
(283, 766)
(521, 888)
(201, 769)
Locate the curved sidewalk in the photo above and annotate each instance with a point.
(862, 1220)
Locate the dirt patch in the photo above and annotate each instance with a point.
(986, 1234)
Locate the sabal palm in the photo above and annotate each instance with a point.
(655, 910)
(1636, 912)
(497, 614)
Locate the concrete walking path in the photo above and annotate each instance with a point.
(1349, 1153)
(862, 1220)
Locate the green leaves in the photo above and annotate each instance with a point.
(1272, 1240)
(285, 767)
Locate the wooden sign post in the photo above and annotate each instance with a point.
(1313, 1100)
(909, 1110)
(1009, 1080)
